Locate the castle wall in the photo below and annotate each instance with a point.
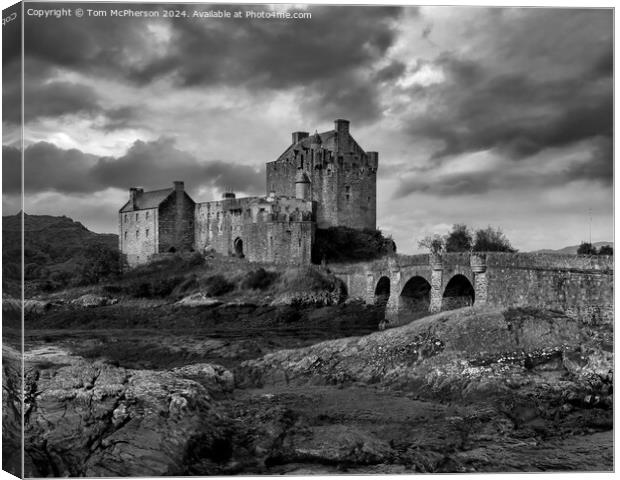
(138, 235)
(277, 230)
(356, 197)
(176, 223)
(279, 242)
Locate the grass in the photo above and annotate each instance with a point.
(306, 279)
(178, 276)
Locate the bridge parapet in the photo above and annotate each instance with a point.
(579, 285)
(546, 261)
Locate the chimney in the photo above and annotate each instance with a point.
(179, 186)
(342, 126)
(373, 160)
(133, 194)
(297, 136)
(342, 135)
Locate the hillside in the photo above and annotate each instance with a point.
(55, 248)
(572, 250)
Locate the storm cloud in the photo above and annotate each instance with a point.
(329, 55)
(474, 111)
(153, 164)
(520, 106)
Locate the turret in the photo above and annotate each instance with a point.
(315, 141)
(302, 185)
(298, 136)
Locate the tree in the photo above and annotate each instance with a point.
(492, 240)
(586, 248)
(606, 250)
(459, 239)
(342, 244)
(435, 244)
(100, 262)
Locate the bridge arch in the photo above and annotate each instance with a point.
(459, 292)
(382, 291)
(415, 297)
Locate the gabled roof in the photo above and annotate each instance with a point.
(325, 137)
(146, 200)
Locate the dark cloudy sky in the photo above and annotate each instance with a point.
(480, 115)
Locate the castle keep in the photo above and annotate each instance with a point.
(321, 180)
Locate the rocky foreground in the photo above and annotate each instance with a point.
(467, 390)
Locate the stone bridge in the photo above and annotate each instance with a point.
(412, 286)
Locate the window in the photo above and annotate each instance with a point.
(137, 233)
(146, 215)
(125, 235)
(126, 218)
(137, 217)
(146, 233)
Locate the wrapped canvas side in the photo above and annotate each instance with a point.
(12, 242)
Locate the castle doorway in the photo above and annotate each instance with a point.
(238, 244)
(458, 293)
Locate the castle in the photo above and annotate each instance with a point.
(320, 181)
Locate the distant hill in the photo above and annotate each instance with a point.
(55, 248)
(572, 250)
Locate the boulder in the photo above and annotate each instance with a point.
(471, 352)
(92, 300)
(93, 419)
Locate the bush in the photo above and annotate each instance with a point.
(188, 285)
(101, 262)
(260, 279)
(306, 279)
(157, 287)
(492, 240)
(341, 244)
(216, 285)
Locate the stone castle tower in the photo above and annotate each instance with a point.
(331, 169)
(320, 181)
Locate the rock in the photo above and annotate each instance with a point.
(214, 377)
(335, 444)
(92, 300)
(199, 299)
(464, 352)
(303, 298)
(11, 411)
(93, 419)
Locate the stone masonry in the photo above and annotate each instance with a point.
(320, 181)
(580, 286)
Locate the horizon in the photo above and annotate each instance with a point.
(480, 116)
(542, 250)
